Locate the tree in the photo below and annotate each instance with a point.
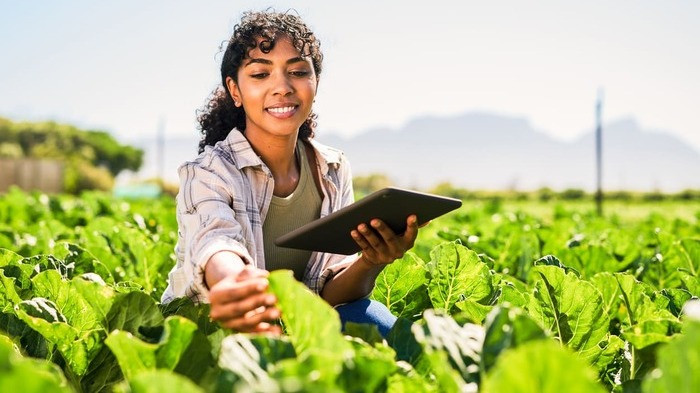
(92, 157)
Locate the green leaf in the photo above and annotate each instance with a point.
(690, 282)
(636, 297)
(399, 383)
(541, 366)
(514, 293)
(430, 362)
(570, 308)
(309, 321)
(81, 261)
(369, 369)
(551, 260)
(157, 381)
(401, 286)
(649, 332)
(677, 298)
(135, 356)
(507, 327)
(457, 274)
(63, 317)
(471, 311)
(462, 344)
(367, 332)
(272, 349)
(313, 372)
(678, 364)
(102, 373)
(99, 296)
(612, 350)
(402, 340)
(12, 279)
(65, 337)
(20, 374)
(132, 310)
(198, 313)
(685, 254)
(29, 340)
(609, 289)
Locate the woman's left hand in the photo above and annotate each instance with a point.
(380, 245)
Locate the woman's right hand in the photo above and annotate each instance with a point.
(240, 301)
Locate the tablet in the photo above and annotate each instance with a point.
(391, 205)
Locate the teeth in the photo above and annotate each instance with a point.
(281, 110)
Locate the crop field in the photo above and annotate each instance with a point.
(519, 297)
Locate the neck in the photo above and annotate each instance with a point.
(277, 152)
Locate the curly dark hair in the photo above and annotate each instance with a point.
(219, 116)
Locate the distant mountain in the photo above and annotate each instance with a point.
(486, 151)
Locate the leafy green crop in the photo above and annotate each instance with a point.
(489, 300)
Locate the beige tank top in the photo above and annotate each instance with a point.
(302, 206)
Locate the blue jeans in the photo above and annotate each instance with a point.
(367, 311)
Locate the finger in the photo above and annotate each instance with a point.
(370, 236)
(360, 240)
(250, 321)
(226, 290)
(395, 246)
(386, 233)
(409, 236)
(263, 327)
(267, 328)
(251, 272)
(240, 308)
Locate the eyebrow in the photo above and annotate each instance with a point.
(268, 62)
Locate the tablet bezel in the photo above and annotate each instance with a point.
(392, 205)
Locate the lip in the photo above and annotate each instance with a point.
(284, 115)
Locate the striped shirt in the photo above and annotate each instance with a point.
(224, 197)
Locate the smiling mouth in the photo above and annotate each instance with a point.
(282, 110)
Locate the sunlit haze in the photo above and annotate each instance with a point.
(122, 66)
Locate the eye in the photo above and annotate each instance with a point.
(259, 75)
(300, 73)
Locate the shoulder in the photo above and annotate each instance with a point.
(224, 160)
(330, 155)
(212, 175)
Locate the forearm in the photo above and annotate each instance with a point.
(354, 282)
(221, 265)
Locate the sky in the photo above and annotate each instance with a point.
(122, 66)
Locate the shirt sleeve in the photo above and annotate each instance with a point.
(207, 223)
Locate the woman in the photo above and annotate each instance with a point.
(260, 174)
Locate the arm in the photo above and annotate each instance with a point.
(215, 257)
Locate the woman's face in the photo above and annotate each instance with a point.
(276, 89)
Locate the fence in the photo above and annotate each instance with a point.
(31, 174)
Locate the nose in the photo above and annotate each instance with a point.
(282, 84)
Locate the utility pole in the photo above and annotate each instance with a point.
(160, 149)
(599, 153)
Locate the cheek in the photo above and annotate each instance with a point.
(250, 93)
(308, 88)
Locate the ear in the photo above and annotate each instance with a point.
(232, 87)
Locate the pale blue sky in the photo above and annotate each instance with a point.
(123, 64)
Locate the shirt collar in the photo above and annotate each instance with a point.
(244, 155)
